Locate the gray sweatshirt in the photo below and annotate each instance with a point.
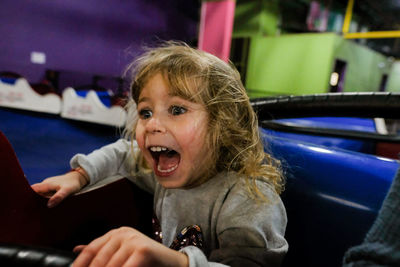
(236, 229)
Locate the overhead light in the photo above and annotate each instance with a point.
(334, 78)
(38, 57)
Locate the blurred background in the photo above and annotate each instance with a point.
(63, 85)
(280, 46)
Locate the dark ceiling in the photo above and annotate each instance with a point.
(382, 15)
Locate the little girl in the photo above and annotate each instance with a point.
(193, 143)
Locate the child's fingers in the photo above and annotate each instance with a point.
(120, 257)
(89, 252)
(59, 196)
(131, 261)
(44, 189)
(39, 188)
(106, 252)
(79, 248)
(84, 259)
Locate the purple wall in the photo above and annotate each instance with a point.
(90, 36)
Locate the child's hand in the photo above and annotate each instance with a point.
(127, 247)
(59, 187)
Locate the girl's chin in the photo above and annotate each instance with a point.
(174, 180)
(169, 184)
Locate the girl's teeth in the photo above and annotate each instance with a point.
(158, 148)
(169, 170)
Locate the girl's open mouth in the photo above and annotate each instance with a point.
(166, 160)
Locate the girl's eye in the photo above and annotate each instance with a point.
(177, 110)
(145, 114)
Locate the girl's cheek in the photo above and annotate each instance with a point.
(140, 142)
(198, 133)
(139, 138)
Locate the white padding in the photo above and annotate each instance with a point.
(21, 96)
(91, 109)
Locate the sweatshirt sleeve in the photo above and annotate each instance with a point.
(198, 259)
(251, 232)
(109, 160)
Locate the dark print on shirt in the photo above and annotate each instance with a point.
(189, 236)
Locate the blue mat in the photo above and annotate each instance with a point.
(45, 143)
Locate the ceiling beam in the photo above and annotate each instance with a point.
(369, 35)
(347, 17)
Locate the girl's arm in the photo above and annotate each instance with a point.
(109, 160)
(59, 187)
(119, 158)
(88, 169)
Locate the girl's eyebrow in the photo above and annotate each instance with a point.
(143, 99)
(172, 94)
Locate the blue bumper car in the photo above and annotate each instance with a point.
(336, 161)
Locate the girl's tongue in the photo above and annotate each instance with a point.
(167, 161)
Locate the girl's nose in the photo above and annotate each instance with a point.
(155, 125)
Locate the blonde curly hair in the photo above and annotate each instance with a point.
(233, 136)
